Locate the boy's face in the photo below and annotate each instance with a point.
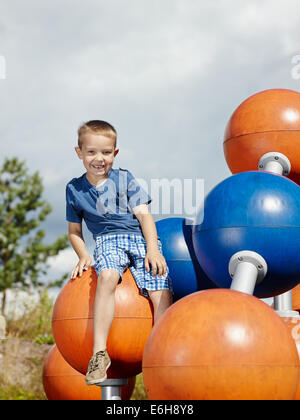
(97, 153)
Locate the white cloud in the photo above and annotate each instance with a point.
(51, 177)
(64, 261)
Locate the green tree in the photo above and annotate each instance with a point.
(23, 255)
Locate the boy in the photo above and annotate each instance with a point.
(114, 207)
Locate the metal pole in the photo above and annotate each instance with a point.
(111, 389)
(244, 279)
(283, 305)
(274, 167)
(111, 393)
(276, 163)
(247, 269)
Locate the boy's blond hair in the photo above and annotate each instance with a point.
(98, 127)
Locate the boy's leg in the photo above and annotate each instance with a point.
(159, 288)
(161, 300)
(104, 307)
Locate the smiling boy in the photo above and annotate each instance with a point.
(115, 209)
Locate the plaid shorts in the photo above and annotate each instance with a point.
(123, 250)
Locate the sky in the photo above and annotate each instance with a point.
(167, 74)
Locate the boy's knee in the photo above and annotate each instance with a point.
(108, 279)
(158, 295)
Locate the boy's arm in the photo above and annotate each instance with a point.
(77, 242)
(153, 257)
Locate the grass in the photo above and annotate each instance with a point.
(9, 393)
(35, 324)
(139, 392)
(23, 353)
(21, 369)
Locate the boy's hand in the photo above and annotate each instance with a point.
(83, 264)
(157, 262)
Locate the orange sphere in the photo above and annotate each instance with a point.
(62, 382)
(220, 344)
(296, 298)
(268, 121)
(293, 325)
(72, 324)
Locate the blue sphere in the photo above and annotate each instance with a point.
(254, 211)
(184, 269)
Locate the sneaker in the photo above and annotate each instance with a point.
(98, 366)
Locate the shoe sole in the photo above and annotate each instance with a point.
(97, 381)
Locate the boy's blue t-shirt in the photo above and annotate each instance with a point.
(106, 208)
